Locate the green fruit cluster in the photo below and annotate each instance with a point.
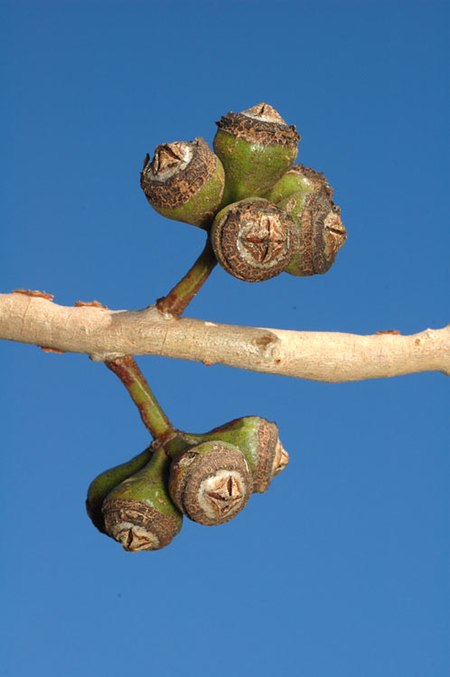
(264, 215)
(208, 477)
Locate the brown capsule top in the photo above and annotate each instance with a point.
(178, 171)
(210, 482)
(272, 458)
(306, 195)
(260, 124)
(138, 526)
(322, 234)
(184, 181)
(253, 240)
(139, 512)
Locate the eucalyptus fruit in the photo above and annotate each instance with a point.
(107, 480)
(139, 512)
(210, 482)
(320, 230)
(184, 181)
(256, 148)
(209, 477)
(298, 179)
(258, 440)
(212, 479)
(253, 239)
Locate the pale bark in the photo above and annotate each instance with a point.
(320, 356)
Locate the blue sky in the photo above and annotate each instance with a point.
(341, 569)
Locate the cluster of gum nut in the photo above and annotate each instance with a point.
(208, 477)
(264, 215)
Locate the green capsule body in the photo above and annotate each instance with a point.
(139, 512)
(107, 480)
(256, 148)
(298, 179)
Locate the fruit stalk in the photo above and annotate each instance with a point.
(153, 416)
(179, 297)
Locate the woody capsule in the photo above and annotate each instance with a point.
(209, 477)
(256, 148)
(184, 181)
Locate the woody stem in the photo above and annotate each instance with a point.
(184, 291)
(153, 416)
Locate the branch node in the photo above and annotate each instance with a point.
(90, 304)
(106, 357)
(394, 332)
(34, 292)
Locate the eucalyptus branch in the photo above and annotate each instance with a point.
(321, 356)
(126, 367)
(262, 215)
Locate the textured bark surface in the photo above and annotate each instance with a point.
(320, 356)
